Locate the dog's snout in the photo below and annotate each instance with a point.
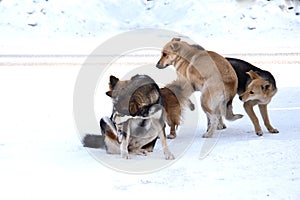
(240, 97)
(159, 66)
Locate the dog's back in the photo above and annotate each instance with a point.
(241, 67)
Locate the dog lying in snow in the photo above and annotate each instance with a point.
(137, 118)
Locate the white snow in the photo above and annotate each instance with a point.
(41, 156)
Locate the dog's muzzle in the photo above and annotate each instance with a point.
(159, 66)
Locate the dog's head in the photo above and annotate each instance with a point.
(169, 53)
(133, 97)
(259, 89)
(174, 49)
(115, 92)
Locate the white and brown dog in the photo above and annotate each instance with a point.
(137, 119)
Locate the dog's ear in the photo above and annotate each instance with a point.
(175, 39)
(112, 82)
(266, 85)
(108, 93)
(175, 46)
(253, 75)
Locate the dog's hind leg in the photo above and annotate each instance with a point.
(229, 113)
(212, 125)
(221, 124)
(172, 134)
(110, 135)
(264, 113)
(125, 140)
(212, 116)
(150, 146)
(112, 145)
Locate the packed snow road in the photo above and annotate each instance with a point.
(41, 156)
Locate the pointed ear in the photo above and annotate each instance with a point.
(175, 46)
(253, 75)
(266, 85)
(109, 93)
(175, 39)
(113, 81)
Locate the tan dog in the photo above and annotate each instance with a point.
(255, 87)
(176, 97)
(207, 72)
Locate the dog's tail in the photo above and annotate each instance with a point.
(229, 113)
(93, 141)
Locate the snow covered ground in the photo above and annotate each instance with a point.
(41, 156)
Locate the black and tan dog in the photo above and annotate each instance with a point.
(137, 117)
(255, 87)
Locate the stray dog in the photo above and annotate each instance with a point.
(176, 97)
(207, 72)
(255, 87)
(138, 118)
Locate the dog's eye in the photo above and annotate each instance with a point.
(164, 54)
(251, 92)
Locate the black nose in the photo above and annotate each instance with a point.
(159, 66)
(240, 97)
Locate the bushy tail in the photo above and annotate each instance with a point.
(93, 141)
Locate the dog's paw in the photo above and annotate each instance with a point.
(273, 130)
(169, 156)
(171, 136)
(237, 116)
(142, 152)
(207, 135)
(125, 155)
(221, 126)
(259, 133)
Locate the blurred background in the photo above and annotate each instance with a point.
(217, 19)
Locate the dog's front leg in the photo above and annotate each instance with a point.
(264, 113)
(249, 110)
(167, 153)
(125, 140)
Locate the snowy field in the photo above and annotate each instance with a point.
(42, 158)
(43, 45)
